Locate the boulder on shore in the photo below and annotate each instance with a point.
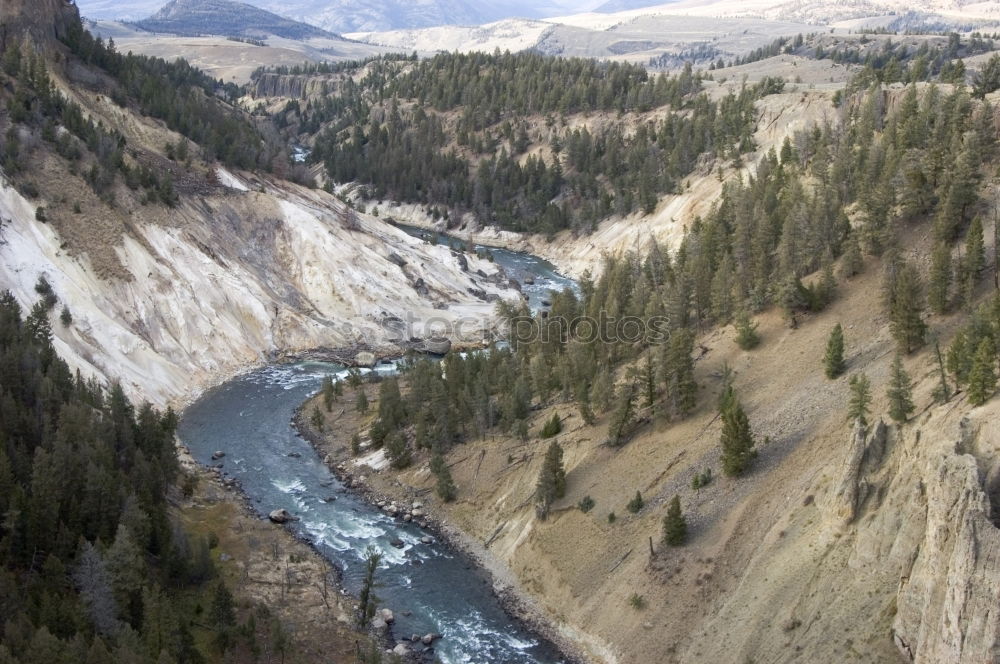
(281, 516)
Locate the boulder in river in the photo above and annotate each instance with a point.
(281, 516)
(437, 345)
(387, 615)
(429, 639)
(218, 455)
(398, 543)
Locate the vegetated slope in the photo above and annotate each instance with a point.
(222, 17)
(508, 138)
(829, 534)
(518, 146)
(175, 271)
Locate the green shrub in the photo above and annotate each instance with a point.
(636, 503)
(552, 427)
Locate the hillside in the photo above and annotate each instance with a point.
(231, 19)
(828, 537)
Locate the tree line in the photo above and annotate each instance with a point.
(93, 565)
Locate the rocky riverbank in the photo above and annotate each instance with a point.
(415, 505)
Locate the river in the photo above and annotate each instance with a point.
(429, 587)
(519, 265)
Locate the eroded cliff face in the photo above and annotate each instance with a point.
(43, 20)
(237, 278)
(947, 603)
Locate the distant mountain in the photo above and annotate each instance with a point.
(370, 15)
(224, 17)
(812, 11)
(612, 6)
(365, 15)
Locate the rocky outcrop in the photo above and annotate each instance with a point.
(925, 519)
(947, 605)
(290, 86)
(865, 449)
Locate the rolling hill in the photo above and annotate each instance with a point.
(222, 17)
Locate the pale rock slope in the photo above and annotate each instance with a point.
(257, 271)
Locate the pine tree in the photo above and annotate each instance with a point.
(861, 398)
(582, 393)
(317, 419)
(361, 403)
(940, 278)
(446, 489)
(552, 426)
(975, 249)
(826, 289)
(905, 303)
(960, 355)
(329, 395)
(982, 376)
(551, 480)
(900, 392)
(674, 524)
(852, 261)
(737, 439)
(367, 599)
(636, 504)
(397, 451)
(942, 392)
(623, 418)
(833, 360)
(682, 390)
(746, 331)
(649, 382)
